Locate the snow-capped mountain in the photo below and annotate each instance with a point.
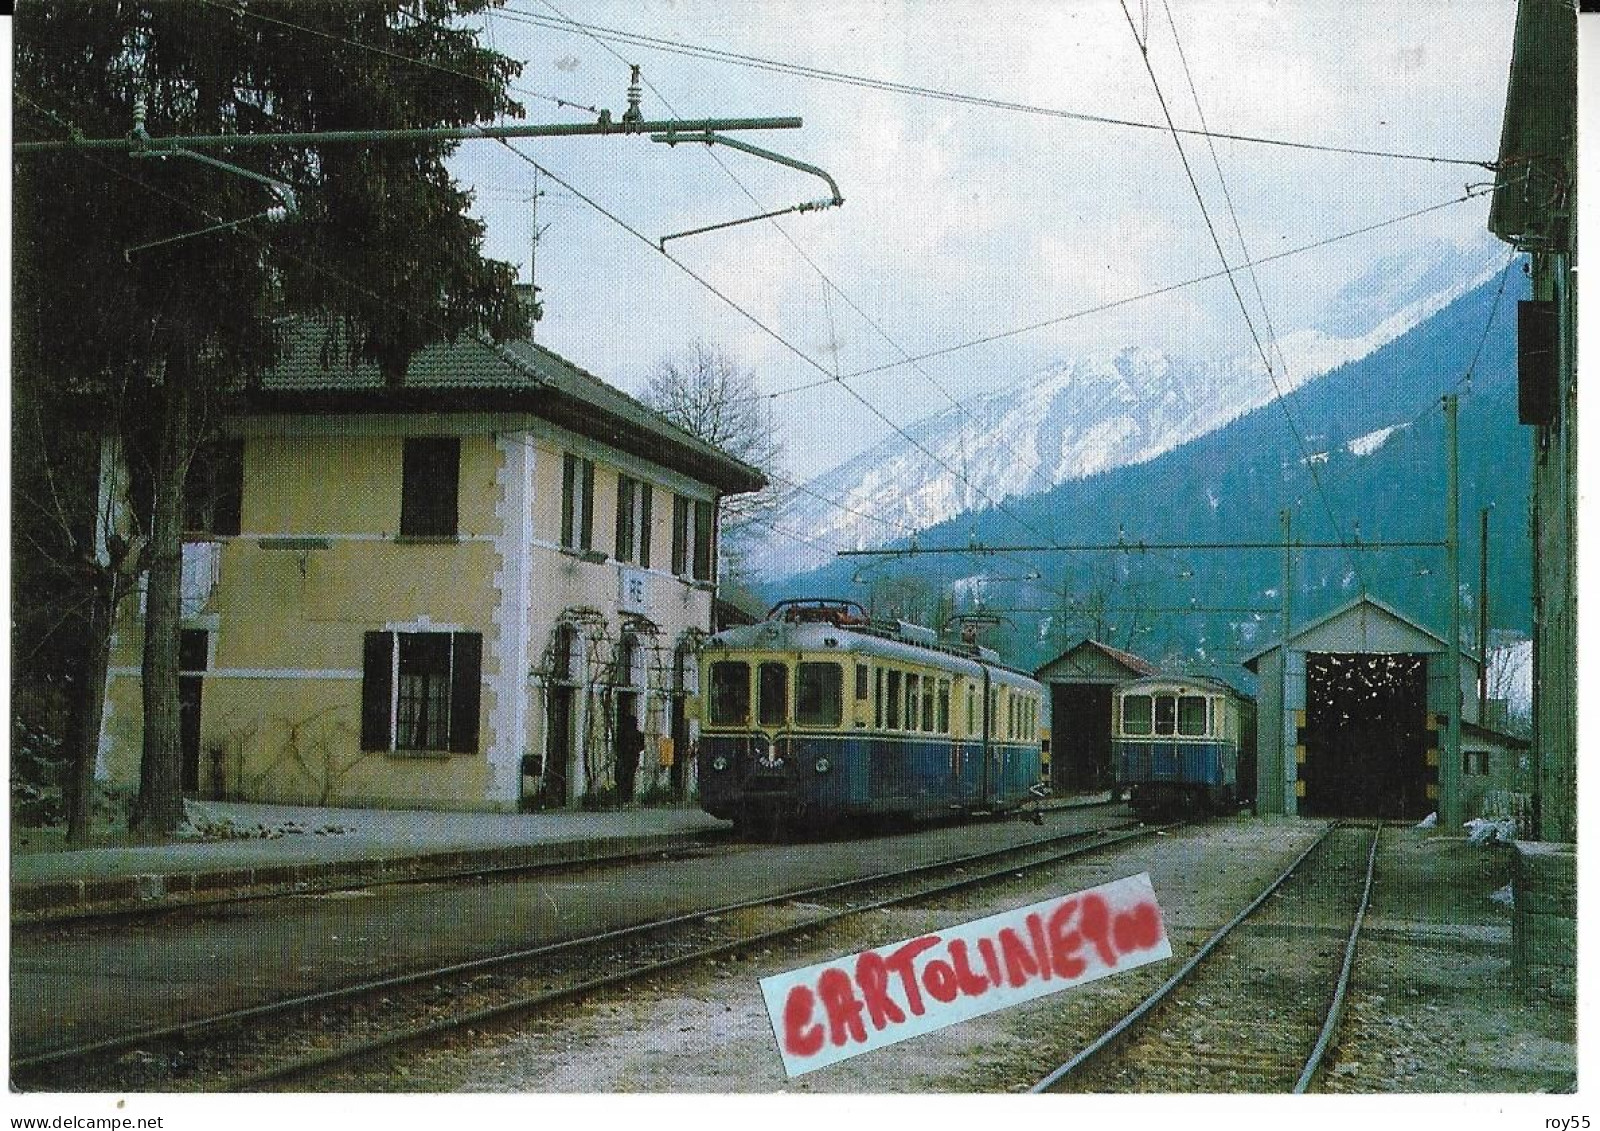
(1102, 410)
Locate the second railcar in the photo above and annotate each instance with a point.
(819, 714)
(1176, 743)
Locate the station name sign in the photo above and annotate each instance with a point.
(833, 1010)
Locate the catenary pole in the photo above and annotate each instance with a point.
(1450, 770)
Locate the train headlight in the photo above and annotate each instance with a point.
(823, 765)
(719, 763)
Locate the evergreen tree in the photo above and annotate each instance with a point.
(151, 287)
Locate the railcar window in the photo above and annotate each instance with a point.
(930, 704)
(819, 695)
(774, 707)
(972, 710)
(1136, 714)
(1166, 714)
(913, 700)
(877, 674)
(892, 697)
(861, 681)
(730, 693)
(944, 706)
(1191, 715)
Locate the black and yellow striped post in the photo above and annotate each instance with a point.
(1431, 774)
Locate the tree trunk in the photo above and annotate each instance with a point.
(88, 706)
(158, 810)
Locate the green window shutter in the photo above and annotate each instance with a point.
(377, 689)
(466, 685)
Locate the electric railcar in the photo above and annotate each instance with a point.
(1176, 743)
(819, 714)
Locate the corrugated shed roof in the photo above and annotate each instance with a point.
(472, 374)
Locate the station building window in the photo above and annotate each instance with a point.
(577, 502)
(420, 691)
(429, 486)
(633, 520)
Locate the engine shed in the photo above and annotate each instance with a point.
(1081, 680)
(1352, 712)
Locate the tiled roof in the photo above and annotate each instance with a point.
(473, 374)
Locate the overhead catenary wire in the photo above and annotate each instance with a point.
(249, 13)
(657, 43)
(1244, 310)
(828, 283)
(346, 282)
(764, 328)
(1100, 308)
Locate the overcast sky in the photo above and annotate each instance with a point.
(961, 221)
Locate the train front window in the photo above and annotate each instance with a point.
(1136, 714)
(1166, 714)
(819, 695)
(1192, 715)
(774, 704)
(730, 693)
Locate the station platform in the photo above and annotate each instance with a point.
(232, 850)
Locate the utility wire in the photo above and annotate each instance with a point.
(1244, 310)
(240, 9)
(757, 62)
(1100, 308)
(764, 328)
(828, 282)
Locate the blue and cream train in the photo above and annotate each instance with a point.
(1176, 743)
(818, 714)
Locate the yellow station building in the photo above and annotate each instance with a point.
(482, 589)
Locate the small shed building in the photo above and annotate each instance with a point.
(1352, 714)
(1080, 682)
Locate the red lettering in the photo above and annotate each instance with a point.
(900, 963)
(991, 960)
(1137, 929)
(1020, 962)
(971, 984)
(872, 974)
(844, 1010)
(1096, 926)
(1064, 943)
(800, 1036)
(939, 979)
(1036, 933)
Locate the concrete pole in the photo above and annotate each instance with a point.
(1288, 729)
(1450, 770)
(1483, 617)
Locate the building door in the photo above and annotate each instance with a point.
(193, 646)
(560, 698)
(1366, 736)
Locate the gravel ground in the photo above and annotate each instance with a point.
(1431, 1010)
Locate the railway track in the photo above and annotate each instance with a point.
(299, 1038)
(1257, 1007)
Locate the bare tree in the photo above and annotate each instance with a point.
(708, 394)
